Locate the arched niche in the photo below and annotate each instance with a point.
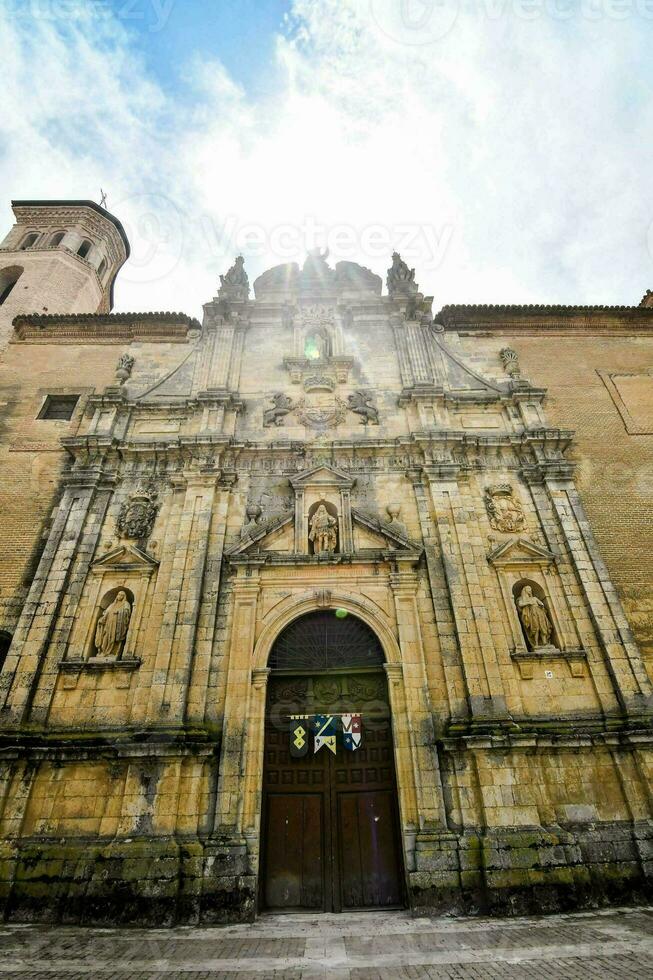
(8, 279)
(107, 600)
(539, 593)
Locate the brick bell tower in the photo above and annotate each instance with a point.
(59, 257)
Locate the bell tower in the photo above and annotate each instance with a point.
(59, 257)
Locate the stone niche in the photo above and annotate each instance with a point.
(331, 488)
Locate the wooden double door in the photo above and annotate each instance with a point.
(330, 827)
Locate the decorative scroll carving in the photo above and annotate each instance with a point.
(400, 279)
(282, 406)
(534, 618)
(504, 509)
(234, 284)
(323, 531)
(361, 403)
(112, 627)
(137, 515)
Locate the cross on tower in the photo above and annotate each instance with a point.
(103, 199)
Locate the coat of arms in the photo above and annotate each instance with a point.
(321, 411)
(504, 509)
(136, 517)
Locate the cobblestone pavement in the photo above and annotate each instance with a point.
(615, 944)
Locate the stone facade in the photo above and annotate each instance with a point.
(189, 479)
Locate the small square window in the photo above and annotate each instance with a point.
(59, 407)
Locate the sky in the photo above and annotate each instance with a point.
(502, 146)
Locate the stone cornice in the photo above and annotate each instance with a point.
(537, 318)
(110, 328)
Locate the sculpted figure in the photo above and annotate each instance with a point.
(315, 265)
(534, 617)
(361, 404)
(400, 278)
(322, 531)
(112, 626)
(282, 406)
(235, 283)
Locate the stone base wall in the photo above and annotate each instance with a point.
(163, 881)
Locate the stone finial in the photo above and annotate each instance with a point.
(234, 285)
(647, 299)
(400, 279)
(253, 513)
(393, 511)
(510, 361)
(124, 368)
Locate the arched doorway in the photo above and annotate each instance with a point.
(330, 838)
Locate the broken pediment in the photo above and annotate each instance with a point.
(520, 551)
(126, 558)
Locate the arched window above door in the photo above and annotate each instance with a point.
(326, 639)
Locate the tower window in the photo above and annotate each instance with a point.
(5, 643)
(84, 248)
(29, 240)
(102, 268)
(8, 279)
(60, 407)
(57, 238)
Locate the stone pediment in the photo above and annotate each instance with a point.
(277, 538)
(125, 558)
(520, 551)
(322, 476)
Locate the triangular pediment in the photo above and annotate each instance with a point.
(277, 535)
(125, 558)
(322, 476)
(380, 534)
(521, 551)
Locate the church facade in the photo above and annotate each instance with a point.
(302, 608)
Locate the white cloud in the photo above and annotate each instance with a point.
(516, 149)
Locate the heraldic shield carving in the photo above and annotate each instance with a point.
(504, 509)
(136, 517)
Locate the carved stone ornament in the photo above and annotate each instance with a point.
(316, 316)
(324, 412)
(323, 531)
(394, 510)
(124, 368)
(234, 284)
(282, 406)
(319, 382)
(510, 361)
(361, 404)
(504, 509)
(112, 627)
(400, 279)
(251, 526)
(534, 618)
(137, 515)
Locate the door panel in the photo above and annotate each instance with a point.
(330, 823)
(294, 878)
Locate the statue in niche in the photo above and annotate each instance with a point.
(235, 283)
(361, 404)
(534, 618)
(504, 509)
(282, 406)
(400, 278)
(112, 627)
(323, 531)
(317, 346)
